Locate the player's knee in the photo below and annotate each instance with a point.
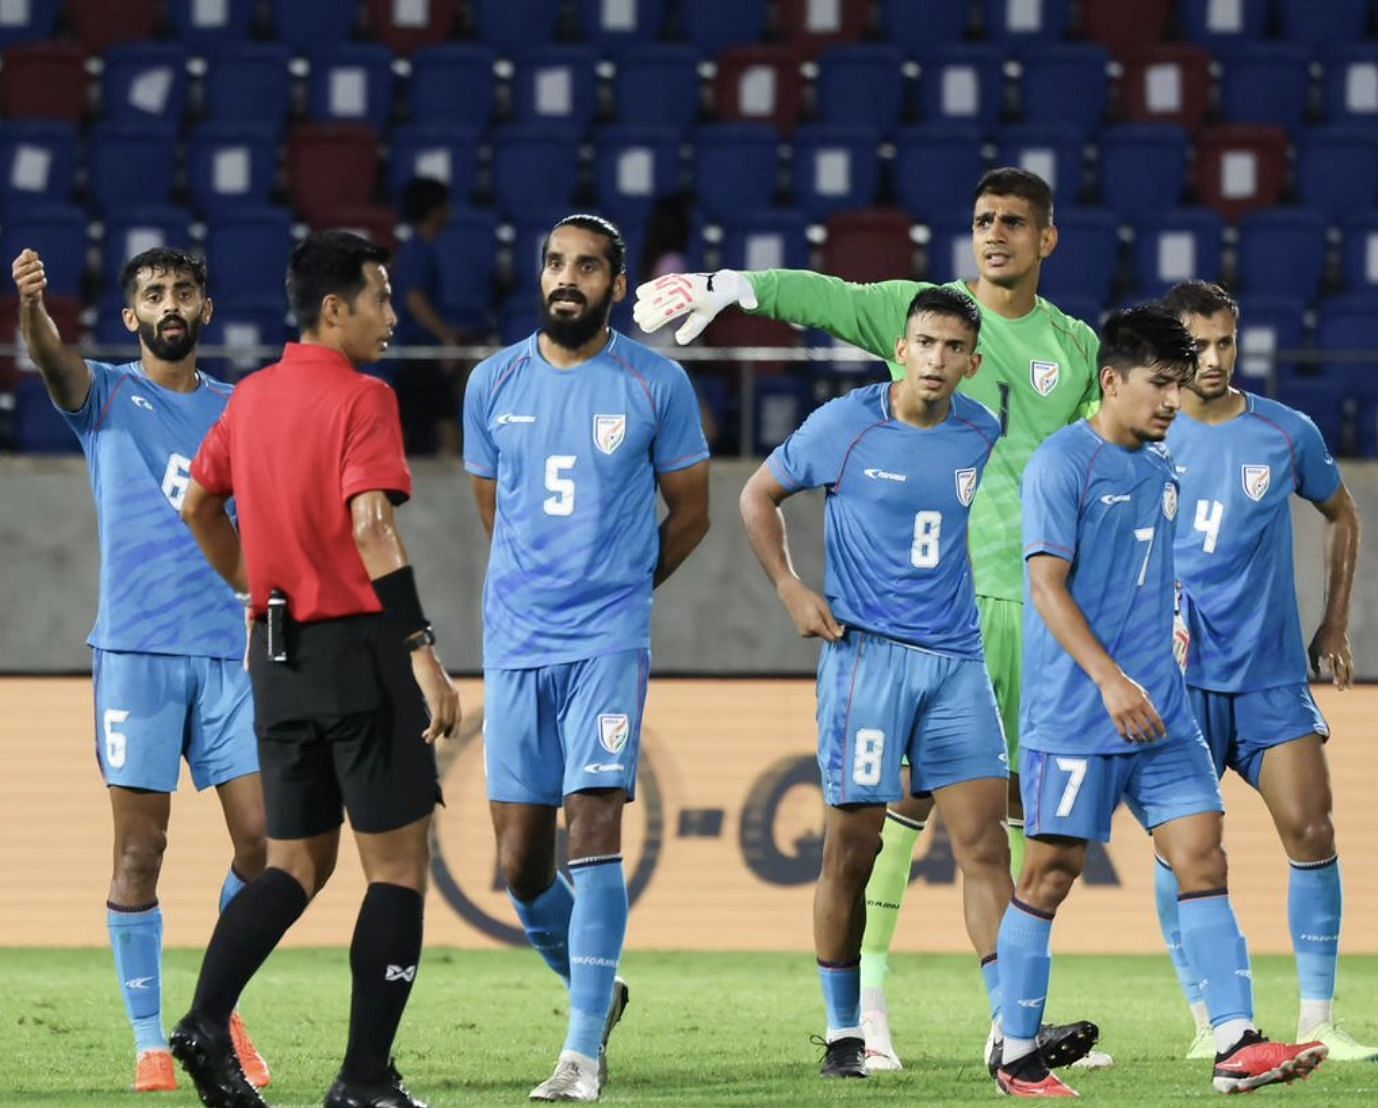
(250, 857)
(989, 850)
(850, 855)
(595, 829)
(1046, 886)
(1202, 870)
(1311, 840)
(139, 858)
(526, 875)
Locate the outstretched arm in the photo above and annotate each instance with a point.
(66, 374)
(1329, 648)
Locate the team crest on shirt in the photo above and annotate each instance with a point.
(1043, 376)
(1256, 480)
(609, 431)
(1170, 500)
(613, 731)
(966, 485)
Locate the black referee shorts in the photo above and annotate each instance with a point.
(339, 730)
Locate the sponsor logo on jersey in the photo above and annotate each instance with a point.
(1170, 499)
(508, 417)
(883, 475)
(1111, 498)
(141, 402)
(1043, 376)
(613, 732)
(1256, 480)
(966, 484)
(604, 767)
(609, 431)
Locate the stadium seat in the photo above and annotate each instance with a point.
(242, 323)
(1267, 325)
(633, 167)
(1322, 400)
(231, 165)
(812, 25)
(131, 165)
(65, 312)
(1336, 170)
(529, 232)
(1350, 84)
(134, 230)
(1121, 27)
(930, 195)
(861, 86)
(99, 24)
(375, 222)
(1264, 83)
(249, 84)
(467, 251)
(1087, 257)
(556, 86)
(513, 28)
(453, 83)
(330, 165)
(962, 85)
(615, 26)
(714, 27)
(735, 168)
(1052, 151)
(1282, 253)
(58, 233)
(874, 244)
(144, 83)
(37, 163)
(43, 80)
(1240, 169)
(518, 318)
(309, 28)
(1143, 168)
(534, 167)
(38, 426)
(1180, 246)
(766, 240)
(351, 84)
(1359, 254)
(1170, 83)
(1311, 24)
(657, 86)
(33, 21)
(1064, 84)
(444, 152)
(207, 28)
(1216, 23)
(759, 84)
(949, 256)
(1019, 24)
(1087, 309)
(919, 26)
(835, 168)
(405, 26)
(1349, 324)
(740, 329)
(247, 250)
(780, 405)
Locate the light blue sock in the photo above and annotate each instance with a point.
(230, 889)
(1026, 963)
(1165, 893)
(841, 983)
(1314, 908)
(545, 919)
(136, 937)
(990, 976)
(1218, 955)
(597, 927)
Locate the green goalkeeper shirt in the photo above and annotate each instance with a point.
(1038, 373)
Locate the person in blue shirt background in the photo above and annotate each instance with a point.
(1240, 458)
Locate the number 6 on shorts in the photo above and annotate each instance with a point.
(1075, 768)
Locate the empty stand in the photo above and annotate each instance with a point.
(247, 250)
(43, 80)
(1282, 253)
(1264, 83)
(1085, 263)
(453, 83)
(929, 195)
(735, 168)
(208, 28)
(131, 231)
(131, 165)
(962, 84)
(1022, 23)
(534, 167)
(58, 233)
(144, 82)
(231, 165)
(1179, 246)
(657, 86)
(1051, 150)
(613, 26)
(330, 165)
(1065, 85)
(513, 28)
(835, 169)
(870, 245)
(861, 86)
(759, 84)
(1143, 168)
(101, 24)
(351, 83)
(249, 84)
(765, 240)
(446, 152)
(307, 28)
(556, 85)
(634, 167)
(1336, 170)
(714, 27)
(1170, 83)
(405, 26)
(812, 25)
(1240, 169)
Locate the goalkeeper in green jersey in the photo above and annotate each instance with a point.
(1038, 374)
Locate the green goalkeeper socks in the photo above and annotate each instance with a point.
(884, 895)
(1014, 828)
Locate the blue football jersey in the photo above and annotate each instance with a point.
(158, 594)
(575, 454)
(895, 520)
(1112, 513)
(1234, 550)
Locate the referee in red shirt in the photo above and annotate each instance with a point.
(341, 658)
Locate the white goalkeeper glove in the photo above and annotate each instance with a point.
(701, 296)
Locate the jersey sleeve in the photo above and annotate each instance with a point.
(480, 452)
(213, 468)
(1090, 399)
(374, 458)
(1318, 477)
(679, 441)
(1050, 497)
(812, 456)
(86, 419)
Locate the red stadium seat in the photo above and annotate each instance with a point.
(759, 84)
(330, 166)
(1240, 169)
(1122, 28)
(870, 245)
(740, 329)
(1166, 84)
(410, 26)
(375, 222)
(809, 25)
(99, 24)
(43, 80)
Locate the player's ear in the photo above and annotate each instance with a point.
(1108, 377)
(975, 365)
(207, 310)
(619, 288)
(1047, 240)
(901, 348)
(130, 320)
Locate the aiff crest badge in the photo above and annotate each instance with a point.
(1256, 480)
(1043, 376)
(966, 485)
(613, 731)
(1170, 499)
(609, 431)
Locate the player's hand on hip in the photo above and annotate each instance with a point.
(28, 275)
(700, 296)
(1135, 717)
(1329, 651)
(442, 698)
(812, 617)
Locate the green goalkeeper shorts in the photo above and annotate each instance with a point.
(1002, 636)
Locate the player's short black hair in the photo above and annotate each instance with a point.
(422, 196)
(1008, 180)
(325, 263)
(1199, 298)
(942, 301)
(1148, 335)
(161, 258)
(615, 251)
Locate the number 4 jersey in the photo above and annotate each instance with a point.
(158, 595)
(575, 454)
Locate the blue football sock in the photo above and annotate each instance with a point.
(545, 919)
(230, 889)
(597, 927)
(990, 976)
(1314, 907)
(136, 937)
(1218, 955)
(1165, 893)
(841, 995)
(1026, 963)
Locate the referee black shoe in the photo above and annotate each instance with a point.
(1059, 1044)
(207, 1054)
(388, 1093)
(842, 1057)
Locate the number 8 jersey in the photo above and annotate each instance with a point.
(575, 454)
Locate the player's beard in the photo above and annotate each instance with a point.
(575, 332)
(170, 349)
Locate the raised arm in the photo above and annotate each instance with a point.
(1329, 648)
(66, 374)
(685, 492)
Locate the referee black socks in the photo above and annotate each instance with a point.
(383, 957)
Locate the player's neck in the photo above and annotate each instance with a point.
(563, 357)
(924, 414)
(1219, 409)
(173, 376)
(1008, 303)
(1114, 432)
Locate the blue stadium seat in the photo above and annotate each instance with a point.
(715, 27)
(556, 85)
(949, 251)
(781, 403)
(446, 152)
(658, 86)
(1143, 168)
(1282, 253)
(1213, 24)
(962, 84)
(861, 86)
(38, 426)
(735, 168)
(534, 167)
(928, 195)
(1264, 83)
(210, 27)
(241, 323)
(1051, 150)
(1267, 325)
(765, 240)
(310, 28)
(247, 250)
(1359, 254)
(1321, 399)
(513, 28)
(835, 168)
(1317, 24)
(37, 163)
(131, 166)
(453, 83)
(530, 230)
(918, 26)
(110, 329)
(1336, 170)
(351, 84)
(1349, 323)
(518, 318)
(145, 83)
(1085, 308)
(231, 165)
(467, 251)
(614, 27)
(58, 233)
(28, 22)
(1350, 84)
(249, 84)
(633, 167)
(1178, 246)
(1019, 24)
(132, 231)
(1065, 84)
(1087, 257)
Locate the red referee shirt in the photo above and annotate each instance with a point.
(297, 441)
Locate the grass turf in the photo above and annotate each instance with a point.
(702, 1029)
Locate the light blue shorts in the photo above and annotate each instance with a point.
(1240, 728)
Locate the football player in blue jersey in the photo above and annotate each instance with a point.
(569, 436)
(169, 636)
(1105, 716)
(1239, 458)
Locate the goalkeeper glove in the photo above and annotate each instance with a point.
(701, 296)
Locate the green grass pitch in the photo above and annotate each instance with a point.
(703, 1029)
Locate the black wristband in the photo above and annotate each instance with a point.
(401, 605)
